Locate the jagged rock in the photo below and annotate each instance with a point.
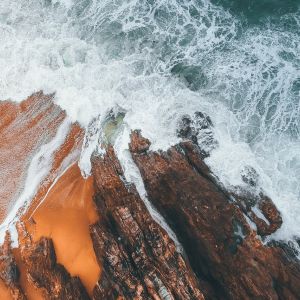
(198, 129)
(271, 213)
(122, 278)
(220, 244)
(45, 273)
(139, 259)
(255, 204)
(250, 176)
(142, 145)
(104, 289)
(271, 220)
(260, 210)
(9, 272)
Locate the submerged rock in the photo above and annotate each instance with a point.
(192, 75)
(112, 125)
(250, 176)
(199, 130)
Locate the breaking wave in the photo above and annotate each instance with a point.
(156, 61)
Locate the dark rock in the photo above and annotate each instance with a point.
(198, 129)
(139, 258)
(250, 176)
(220, 244)
(45, 273)
(9, 272)
(261, 211)
(104, 288)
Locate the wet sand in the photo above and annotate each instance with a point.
(30, 291)
(4, 292)
(24, 128)
(65, 216)
(61, 210)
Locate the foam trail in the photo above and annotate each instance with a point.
(39, 168)
(132, 174)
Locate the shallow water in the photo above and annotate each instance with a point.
(157, 60)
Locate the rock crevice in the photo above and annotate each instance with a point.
(139, 258)
(220, 244)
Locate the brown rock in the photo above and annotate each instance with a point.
(139, 259)
(64, 215)
(104, 289)
(221, 246)
(45, 273)
(9, 272)
(271, 213)
(141, 146)
(120, 276)
(271, 220)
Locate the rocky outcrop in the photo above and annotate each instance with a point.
(65, 215)
(139, 259)
(9, 272)
(113, 239)
(44, 271)
(199, 130)
(220, 244)
(261, 210)
(253, 203)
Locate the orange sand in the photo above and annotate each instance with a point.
(65, 216)
(4, 292)
(72, 143)
(67, 210)
(28, 288)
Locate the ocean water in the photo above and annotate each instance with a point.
(157, 60)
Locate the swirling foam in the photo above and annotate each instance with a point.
(121, 55)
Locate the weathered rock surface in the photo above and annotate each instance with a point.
(45, 273)
(139, 259)
(261, 211)
(223, 256)
(220, 244)
(9, 272)
(198, 129)
(259, 208)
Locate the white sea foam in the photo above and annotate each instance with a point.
(132, 174)
(39, 168)
(103, 55)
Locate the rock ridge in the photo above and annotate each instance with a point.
(221, 231)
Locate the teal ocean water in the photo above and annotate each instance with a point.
(157, 60)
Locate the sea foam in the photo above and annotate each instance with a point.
(157, 61)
